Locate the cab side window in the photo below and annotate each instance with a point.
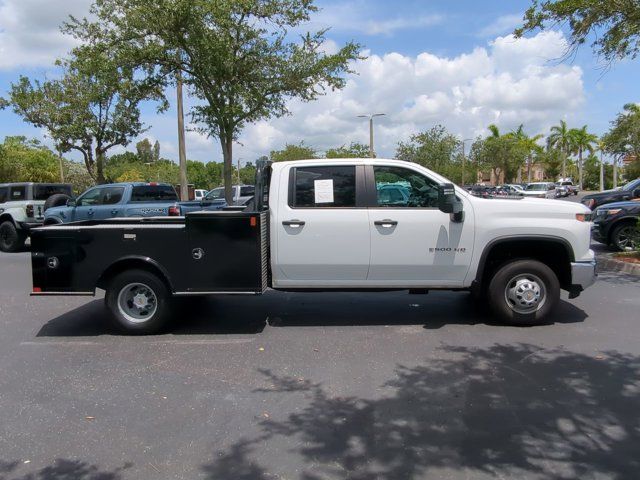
(404, 188)
(323, 187)
(18, 193)
(4, 194)
(91, 198)
(112, 195)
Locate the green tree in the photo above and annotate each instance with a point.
(623, 139)
(614, 26)
(147, 152)
(530, 146)
(214, 174)
(561, 138)
(248, 174)
(552, 160)
(91, 109)
(236, 56)
(503, 154)
(436, 149)
(354, 150)
(23, 160)
(291, 151)
(197, 174)
(582, 141)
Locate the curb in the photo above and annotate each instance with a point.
(608, 262)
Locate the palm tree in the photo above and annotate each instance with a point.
(560, 138)
(582, 141)
(530, 145)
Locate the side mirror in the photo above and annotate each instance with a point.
(72, 202)
(448, 202)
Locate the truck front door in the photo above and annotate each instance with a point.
(322, 227)
(413, 243)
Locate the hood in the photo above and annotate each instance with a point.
(625, 204)
(603, 193)
(525, 207)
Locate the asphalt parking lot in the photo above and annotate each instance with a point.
(320, 386)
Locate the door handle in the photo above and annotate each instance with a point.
(90, 212)
(385, 223)
(114, 212)
(293, 223)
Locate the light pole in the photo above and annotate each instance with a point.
(370, 117)
(464, 159)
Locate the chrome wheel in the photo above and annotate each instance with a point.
(137, 302)
(525, 293)
(627, 238)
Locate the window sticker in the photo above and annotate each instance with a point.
(323, 190)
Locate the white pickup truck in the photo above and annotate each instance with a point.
(329, 225)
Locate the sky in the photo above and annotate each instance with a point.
(427, 63)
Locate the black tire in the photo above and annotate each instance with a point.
(57, 200)
(134, 282)
(11, 239)
(624, 237)
(515, 279)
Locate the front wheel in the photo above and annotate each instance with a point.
(625, 237)
(139, 302)
(11, 239)
(523, 292)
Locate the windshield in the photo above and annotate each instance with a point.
(632, 185)
(215, 194)
(537, 186)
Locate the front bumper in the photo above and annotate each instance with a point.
(583, 275)
(31, 224)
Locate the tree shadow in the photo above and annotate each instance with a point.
(249, 315)
(508, 411)
(62, 469)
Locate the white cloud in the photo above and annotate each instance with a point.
(509, 82)
(29, 31)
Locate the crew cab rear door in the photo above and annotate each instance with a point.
(413, 243)
(321, 226)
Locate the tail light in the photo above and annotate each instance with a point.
(174, 211)
(29, 210)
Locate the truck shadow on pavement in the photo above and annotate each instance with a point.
(61, 469)
(250, 315)
(506, 411)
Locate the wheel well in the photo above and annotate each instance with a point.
(52, 221)
(554, 253)
(6, 217)
(132, 264)
(622, 221)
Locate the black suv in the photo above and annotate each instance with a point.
(629, 192)
(616, 224)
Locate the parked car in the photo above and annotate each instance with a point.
(241, 194)
(22, 207)
(514, 189)
(316, 226)
(616, 224)
(562, 190)
(630, 191)
(540, 190)
(568, 183)
(132, 199)
(199, 194)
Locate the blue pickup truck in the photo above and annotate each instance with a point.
(133, 199)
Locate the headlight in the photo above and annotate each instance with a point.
(610, 211)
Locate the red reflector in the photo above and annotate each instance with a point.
(174, 211)
(153, 184)
(37, 290)
(253, 222)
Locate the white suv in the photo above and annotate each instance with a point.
(22, 207)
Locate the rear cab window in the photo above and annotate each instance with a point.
(153, 193)
(323, 187)
(4, 194)
(247, 191)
